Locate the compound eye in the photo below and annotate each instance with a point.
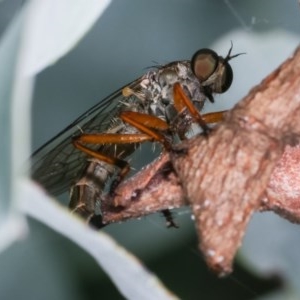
(226, 78)
(204, 63)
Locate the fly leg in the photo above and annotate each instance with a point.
(148, 125)
(182, 101)
(83, 202)
(169, 218)
(97, 139)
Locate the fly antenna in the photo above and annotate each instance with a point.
(229, 57)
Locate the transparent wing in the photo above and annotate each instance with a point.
(57, 164)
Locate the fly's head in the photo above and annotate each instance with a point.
(213, 72)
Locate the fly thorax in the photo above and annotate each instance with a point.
(167, 77)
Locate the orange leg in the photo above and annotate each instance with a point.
(214, 117)
(149, 125)
(182, 101)
(109, 139)
(145, 123)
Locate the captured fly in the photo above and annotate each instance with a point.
(59, 166)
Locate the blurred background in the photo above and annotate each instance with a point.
(131, 36)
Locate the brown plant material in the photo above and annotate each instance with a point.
(283, 191)
(229, 175)
(154, 188)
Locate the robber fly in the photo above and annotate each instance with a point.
(116, 126)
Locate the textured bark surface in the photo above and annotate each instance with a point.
(154, 188)
(283, 191)
(224, 187)
(227, 176)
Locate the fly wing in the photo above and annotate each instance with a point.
(57, 164)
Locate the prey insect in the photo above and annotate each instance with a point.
(159, 106)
